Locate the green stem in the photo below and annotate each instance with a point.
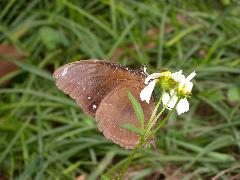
(162, 122)
(143, 141)
(149, 125)
(155, 117)
(130, 157)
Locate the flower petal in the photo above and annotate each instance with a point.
(183, 106)
(152, 76)
(189, 86)
(190, 76)
(178, 76)
(166, 100)
(146, 93)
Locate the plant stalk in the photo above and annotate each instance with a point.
(144, 140)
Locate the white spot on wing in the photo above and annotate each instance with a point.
(94, 106)
(65, 71)
(89, 97)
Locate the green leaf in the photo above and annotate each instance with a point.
(233, 94)
(132, 128)
(137, 108)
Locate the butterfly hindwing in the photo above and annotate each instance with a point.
(116, 110)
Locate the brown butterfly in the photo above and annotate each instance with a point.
(101, 89)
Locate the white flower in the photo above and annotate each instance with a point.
(182, 106)
(185, 86)
(170, 102)
(165, 100)
(190, 76)
(178, 76)
(146, 93)
(151, 81)
(152, 76)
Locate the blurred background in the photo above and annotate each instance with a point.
(45, 135)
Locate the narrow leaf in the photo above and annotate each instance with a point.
(132, 128)
(137, 108)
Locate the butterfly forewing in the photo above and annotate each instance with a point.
(89, 81)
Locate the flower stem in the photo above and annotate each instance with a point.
(144, 140)
(130, 157)
(162, 122)
(154, 118)
(149, 125)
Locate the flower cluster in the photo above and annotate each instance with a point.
(175, 86)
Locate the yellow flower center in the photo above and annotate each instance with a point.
(166, 73)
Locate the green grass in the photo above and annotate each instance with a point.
(45, 135)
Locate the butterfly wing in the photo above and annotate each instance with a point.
(100, 88)
(116, 110)
(89, 81)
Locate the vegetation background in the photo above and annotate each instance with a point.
(45, 135)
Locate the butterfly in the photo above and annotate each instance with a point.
(101, 89)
